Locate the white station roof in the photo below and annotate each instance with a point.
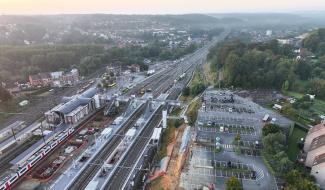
(107, 131)
(156, 133)
(131, 132)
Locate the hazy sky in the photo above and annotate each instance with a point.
(155, 6)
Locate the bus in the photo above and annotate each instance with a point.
(112, 85)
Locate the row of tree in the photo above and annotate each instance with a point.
(17, 62)
(274, 141)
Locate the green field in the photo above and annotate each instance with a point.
(308, 116)
(297, 133)
(318, 107)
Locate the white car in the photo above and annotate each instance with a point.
(222, 129)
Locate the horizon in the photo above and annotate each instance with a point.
(158, 7)
(162, 14)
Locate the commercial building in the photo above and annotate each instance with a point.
(74, 108)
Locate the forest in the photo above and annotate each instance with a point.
(271, 65)
(17, 62)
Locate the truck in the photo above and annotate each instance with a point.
(266, 118)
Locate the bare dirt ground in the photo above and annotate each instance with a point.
(170, 180)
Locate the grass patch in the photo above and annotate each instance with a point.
(176, 111)
(209, 74)
(167, 137)
(293, 149)
(309, 116)
(192, 111)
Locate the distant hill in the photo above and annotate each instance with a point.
(187, 19)
(264, 18)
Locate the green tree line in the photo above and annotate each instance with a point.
(268, 65)
(17, 62)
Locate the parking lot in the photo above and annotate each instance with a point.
(216, 156)
(230, 128)
(228, 108)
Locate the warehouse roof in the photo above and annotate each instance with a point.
(91, 92)
(72, 105)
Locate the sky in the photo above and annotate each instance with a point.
(156, 6)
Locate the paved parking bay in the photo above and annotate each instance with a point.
(231, 129)
(208, 166)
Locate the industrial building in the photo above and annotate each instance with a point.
(74, 108)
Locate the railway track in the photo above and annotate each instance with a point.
(82, 181)
(125, 167)
(89, 173)
(160, 84)
(5, 160)
(123, 170)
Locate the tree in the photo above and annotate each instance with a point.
(4, 94)
(186, 91)
(283, 162)
(297, 181)
(303, 70)
(274, 143)
(285, 86)
(270, 128)
(197, 89)
(237, 137)
(233, 184)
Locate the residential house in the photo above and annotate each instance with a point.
(56, 79)
(317, 147)
(318, 170)
(314, 132)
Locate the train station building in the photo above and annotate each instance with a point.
(73, 109)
